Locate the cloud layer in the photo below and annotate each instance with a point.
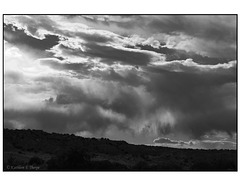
(166, 80)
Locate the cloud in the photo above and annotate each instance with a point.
(69, 118)
(201, 101)
(14, 77)
(208, 27)
(213, 35)
(108, 103)
(32, 23)
(56, 64)
(35, 47)
(82, 76)
(165, 140)
(190, 66)
(178, 54)
(19, 37)
(154, 98)
(197, 144)
(111, 55)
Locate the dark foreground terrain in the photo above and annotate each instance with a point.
(35, 150)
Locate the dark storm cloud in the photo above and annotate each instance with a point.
(220, 119)
(201, 98)
(131, 76)
(118, 97)
(209, 27)
(109, 54)
(34, 23)
(206, 101)
(77, 96)
(17, 36)
(127, 102)
(214, 34)
(219, 30)
(70, 119)
(180, 84)
(213, 27)
(177, 54)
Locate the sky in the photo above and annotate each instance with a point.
(164, 80)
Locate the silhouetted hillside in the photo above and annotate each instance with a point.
(30, 150)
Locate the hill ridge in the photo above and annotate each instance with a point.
(54, 151)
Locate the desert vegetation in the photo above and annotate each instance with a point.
(35, 150)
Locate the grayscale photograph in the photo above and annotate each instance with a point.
(120, 92)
